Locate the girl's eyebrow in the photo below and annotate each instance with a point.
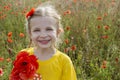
(49, 26)
(36, 28)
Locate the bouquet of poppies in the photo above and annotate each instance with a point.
(25, 67)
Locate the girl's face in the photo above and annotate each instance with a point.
(43, 31)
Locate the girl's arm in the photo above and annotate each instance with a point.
(68, 70)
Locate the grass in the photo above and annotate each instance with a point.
(92, 35)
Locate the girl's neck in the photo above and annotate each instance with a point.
(45, 50)
(44, 53)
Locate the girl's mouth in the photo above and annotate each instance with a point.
(44, 41)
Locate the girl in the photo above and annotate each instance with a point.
(44, 29)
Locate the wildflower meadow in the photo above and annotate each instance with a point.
(91, 35)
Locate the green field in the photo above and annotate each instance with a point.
(91, 35)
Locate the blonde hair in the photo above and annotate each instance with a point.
(46, 9)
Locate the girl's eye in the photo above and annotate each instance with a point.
(49, 29)
(36, 30)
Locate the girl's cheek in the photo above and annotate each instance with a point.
(52, 34)
(34, 35)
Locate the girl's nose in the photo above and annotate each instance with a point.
(43, 35)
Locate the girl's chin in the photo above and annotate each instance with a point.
(44, 47)
(48, 45)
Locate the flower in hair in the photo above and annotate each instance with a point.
(30, 13)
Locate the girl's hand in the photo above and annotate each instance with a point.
(37, 77)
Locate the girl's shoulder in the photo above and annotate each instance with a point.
(63, 56)
(59, 54)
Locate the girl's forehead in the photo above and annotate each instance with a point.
(43, 21)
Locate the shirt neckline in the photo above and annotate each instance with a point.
(43, 62)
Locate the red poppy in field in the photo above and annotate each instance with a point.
(21, 35)
(68, 28)
(73, 48)
(66, 50)
(25, 66)
(103, 66)
(99, 18)
(66, 41)
(74, 1)
(67, 12)
(1, 72)
(7, 7)
(106, 27)
(1, 58)
(9, 40)
(9, 34)
(98, 27)
(104, 37)
(1, 12)
(105, 14)
(116, 59)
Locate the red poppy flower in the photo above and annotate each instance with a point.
(21, 35)
(99, 18)
(66, 50)
(73, 48)
(103, 66)
(30, 13)
(9, 40)
(67, 12)
(74, 1)
(9, 34)
(98, 27)
(104, 37)
(116, 59)
(66, 41)
(1, 59)
(106, 27)
(25, 66)
(68, 28)
(1, 72)
(105, 14)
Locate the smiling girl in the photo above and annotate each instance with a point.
(44, 29)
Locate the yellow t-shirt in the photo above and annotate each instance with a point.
(58, 67)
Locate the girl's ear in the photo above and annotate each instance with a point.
(60, 30)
